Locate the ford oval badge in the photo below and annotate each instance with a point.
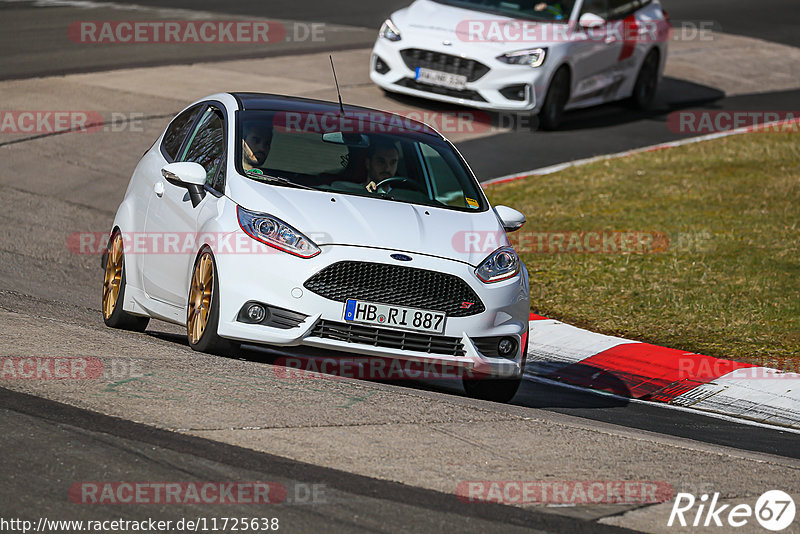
(401, 257)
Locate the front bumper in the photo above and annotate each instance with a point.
(483, 93)
(276, 279)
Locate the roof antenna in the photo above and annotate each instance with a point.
(338, 92)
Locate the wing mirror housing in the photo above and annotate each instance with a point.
(590, 20)
(190, 176)
(511, 219)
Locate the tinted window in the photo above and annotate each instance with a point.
(622, 8)
(521, 9)
(207, 144)
(178, 130)
(596, 7)
(361, 154)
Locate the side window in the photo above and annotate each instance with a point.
(207, 144)
(178, 130)
(596, 7)
(619, 9)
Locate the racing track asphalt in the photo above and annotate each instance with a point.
(771, 20)
(126, 449)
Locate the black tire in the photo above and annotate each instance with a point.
(552, 113)
(492, 389)
(119, 318)
(644, 91)
(209, 342)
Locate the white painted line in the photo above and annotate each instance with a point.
(672, 144)
(715, 415)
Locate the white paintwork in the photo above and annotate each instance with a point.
(598, 74)
(353, 228)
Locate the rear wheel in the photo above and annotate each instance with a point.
(552, 112)
(114, 290)
(644, 92)
(203, 310)
(492, 389)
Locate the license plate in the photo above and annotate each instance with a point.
(394, 316)
(443, 79)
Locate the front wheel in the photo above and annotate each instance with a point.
(202, 317)
(114, 290)
(492, 389)
(552, 112)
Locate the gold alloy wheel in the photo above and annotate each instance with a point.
(200, 296)
(113, 277)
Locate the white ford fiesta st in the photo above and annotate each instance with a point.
(282, 221)
(540, 56)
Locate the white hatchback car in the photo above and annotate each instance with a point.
(540, 56)
(283, 221)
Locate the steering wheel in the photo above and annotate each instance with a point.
(380, 187)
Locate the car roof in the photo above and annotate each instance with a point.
(270, 102)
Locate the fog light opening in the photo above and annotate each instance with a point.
(380, 66)
(507, 347)
(256, 313)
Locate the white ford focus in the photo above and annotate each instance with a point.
(541, 56)
(282, 221)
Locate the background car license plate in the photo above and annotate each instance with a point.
(394, 316)
(445, 79)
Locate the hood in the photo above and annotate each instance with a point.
(372, 222)
(429, 19)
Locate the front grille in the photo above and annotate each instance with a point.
(396, 285)
(466, 94)
(415, 58)
(392, 339)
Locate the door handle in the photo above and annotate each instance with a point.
(159, 189)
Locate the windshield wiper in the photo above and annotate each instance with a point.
(278, 180)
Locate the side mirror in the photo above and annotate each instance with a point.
(189, 175)
(590, 20)
(512, 219)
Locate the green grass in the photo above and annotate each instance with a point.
(728, 284)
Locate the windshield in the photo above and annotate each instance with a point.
(546, 10)
(375, 155)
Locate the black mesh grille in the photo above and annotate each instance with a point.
(455, 93)
(393, 339)
(400, 286)
(426, 59)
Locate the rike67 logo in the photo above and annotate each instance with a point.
(774, 510)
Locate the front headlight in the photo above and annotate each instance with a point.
(275, 233)
(532, 58)
(389, 31)
(501, 264)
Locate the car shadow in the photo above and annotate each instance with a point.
(583, 386)
(673, 95)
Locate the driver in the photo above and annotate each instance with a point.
(256, 143)
(382, 160)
